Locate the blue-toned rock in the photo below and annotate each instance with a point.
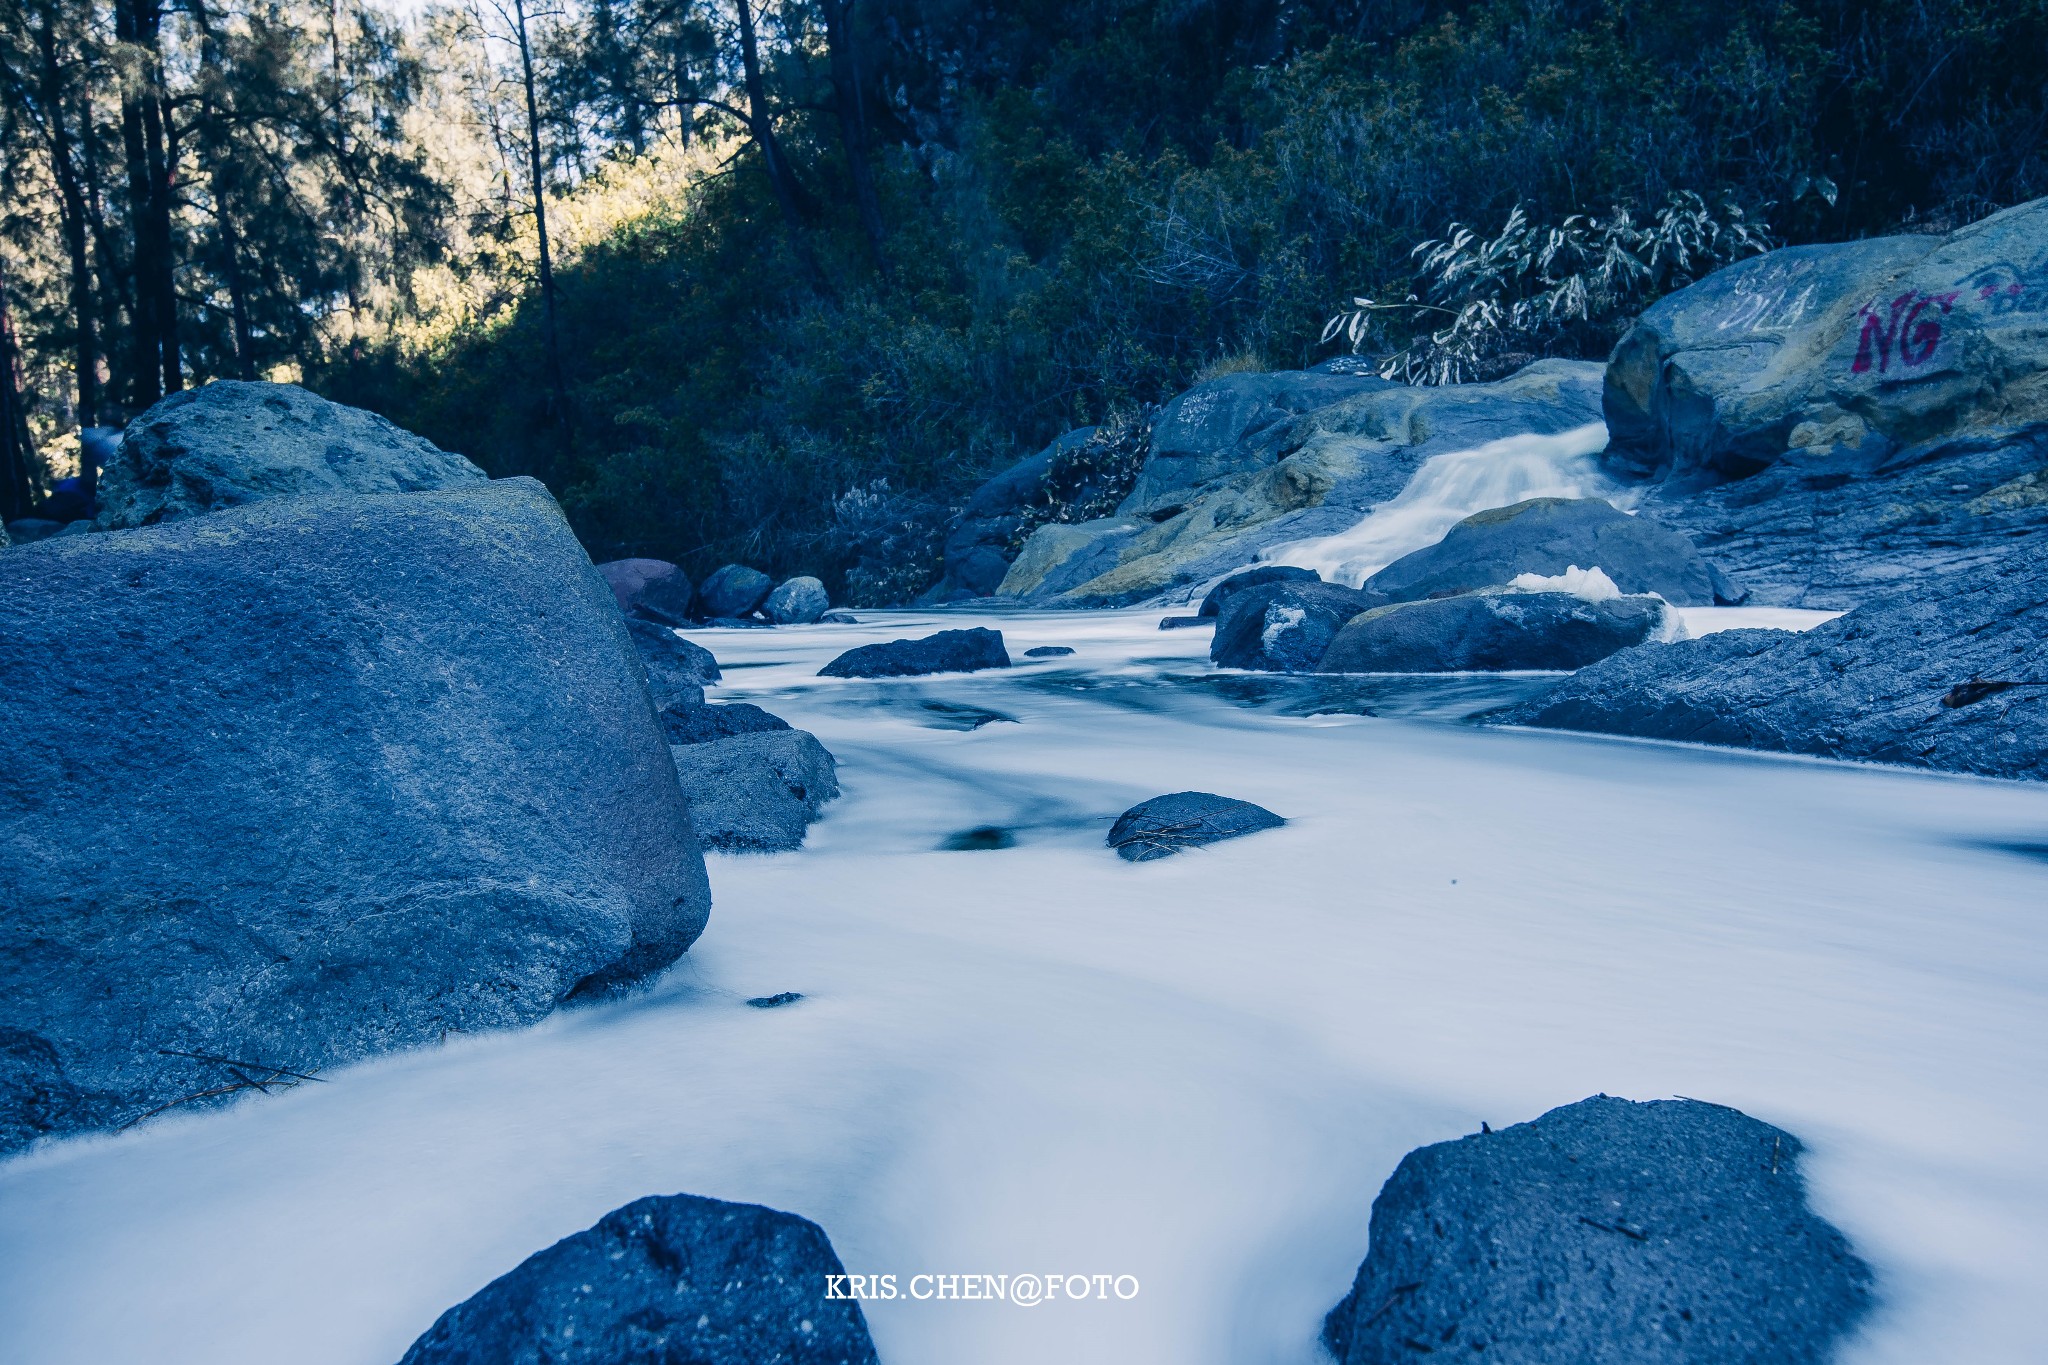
(733, 590)
(1953, 674)
(1547, 536)
(949, 651)
(667, 1280)
(1492, 632)
(1283, 627)
(1256, 577)
(1165, 825)
(312, 779)
(1604, 1233)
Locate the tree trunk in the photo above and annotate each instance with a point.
(761, 124)
(853, 127)
(17, 491)
(71, 214)
(155, 357)
(549, 343)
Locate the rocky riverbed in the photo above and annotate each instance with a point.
(1016, 1052)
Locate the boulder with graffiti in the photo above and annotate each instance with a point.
(1825, 420)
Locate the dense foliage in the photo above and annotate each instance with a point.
(818, 271)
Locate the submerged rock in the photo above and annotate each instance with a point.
(733, 590)
(1604, 1233)
(301, 782)
(677, 669)
(1049, 652)
(1953, 675)
(949, 651)
(674, 1278)
(1257, 577)
(1185, 622)
(1547, 536)
(232, 442)
(796, 602)
(1165, 825)
(1283, 627)
(702, 724)
(756, 792)
(1492, 632)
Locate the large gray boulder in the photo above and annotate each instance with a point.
(1546, 536)
(309, 780)
(1255, 577)
(233, 442)
(1492, 632)
(663, 1280)
(1251, 462)
(1827, 420)
(1952, 675)
(1604, 1233)
(1283, 626)
(756, 791)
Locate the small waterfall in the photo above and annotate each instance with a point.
(1450, 487)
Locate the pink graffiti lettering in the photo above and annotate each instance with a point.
(1907, 326)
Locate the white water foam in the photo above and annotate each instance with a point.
(1450, 487)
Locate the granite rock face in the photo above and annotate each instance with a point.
(1547, 536)
(979, 546)
(1250, 462)
(314, 779)
(676, 669)
(1825, 421)
(949, 651)
(701, 724)
(1603, 1233)
(1492, 632)
(1165, 825)
(757, 791)
(1952, 674)
(233, 442)
(663, 1281)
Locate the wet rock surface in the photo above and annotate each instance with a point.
(1952, 675)
(1492, 632)
(1604, 1233)
(1165, 825)
(674, 1278)
(1547, 536)
(949, 651)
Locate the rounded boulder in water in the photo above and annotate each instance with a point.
(1253, 578)
(1603, 1233)
(1165, 825)
(796, 602)
(734, 590)
(1283, 627)
(667, 1278)
(1493, 633)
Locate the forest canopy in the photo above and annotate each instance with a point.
(780, 280)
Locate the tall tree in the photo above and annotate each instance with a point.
(843, 54)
